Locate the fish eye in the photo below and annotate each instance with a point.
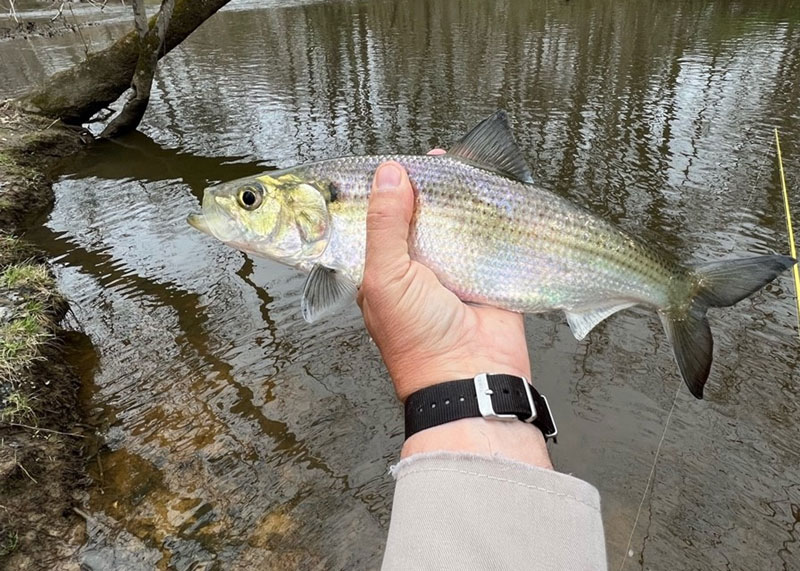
(250, 197)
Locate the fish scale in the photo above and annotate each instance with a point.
(489, 234)
(493, 240)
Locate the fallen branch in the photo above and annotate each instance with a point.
(20, 425)
(13, 11)
(58, 14)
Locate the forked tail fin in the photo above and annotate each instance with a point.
(721, 284)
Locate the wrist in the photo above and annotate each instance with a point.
(514, 440)
(487, 414)
(423, 373)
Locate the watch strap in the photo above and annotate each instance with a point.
(499, 397)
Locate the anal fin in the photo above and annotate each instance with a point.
(582, 322)
(325, 291)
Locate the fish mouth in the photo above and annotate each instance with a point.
(200, 221)
(217, 225)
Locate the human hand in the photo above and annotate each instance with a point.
(425, 333)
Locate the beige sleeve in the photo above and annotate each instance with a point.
(461, 511)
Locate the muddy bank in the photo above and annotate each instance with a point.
(43, 439)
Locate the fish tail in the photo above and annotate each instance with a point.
(720, 284)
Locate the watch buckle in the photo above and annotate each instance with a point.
(554, 433)
(484, 394)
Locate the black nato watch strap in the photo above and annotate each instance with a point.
(500, 397)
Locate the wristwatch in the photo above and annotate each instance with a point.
(496, 397)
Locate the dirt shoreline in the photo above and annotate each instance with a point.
(43, 436)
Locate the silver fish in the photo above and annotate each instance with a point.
(490, 235)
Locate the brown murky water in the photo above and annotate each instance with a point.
(237, 436)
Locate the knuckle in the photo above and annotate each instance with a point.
(370, 286)
(377, 297)
(379, 217)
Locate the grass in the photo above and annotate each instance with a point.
(26, 274)
(9, 543)
(6, 161)
(12, 167)
(9, 244)
(13, 250)
(22, 338)
(17, 408)
(26, 325)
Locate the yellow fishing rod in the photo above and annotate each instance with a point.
(792, 249)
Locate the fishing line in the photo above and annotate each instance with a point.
(792, 250)
(795, 273)
(652, 474)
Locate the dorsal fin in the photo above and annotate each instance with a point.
(491, 145)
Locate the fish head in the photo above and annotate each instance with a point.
(276, 216)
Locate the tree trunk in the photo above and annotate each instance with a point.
(151, 41)
(78, 93)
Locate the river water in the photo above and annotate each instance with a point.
(236, 436)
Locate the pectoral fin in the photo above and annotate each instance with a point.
(326, 290)
(582, 322)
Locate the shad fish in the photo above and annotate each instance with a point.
(490, 235)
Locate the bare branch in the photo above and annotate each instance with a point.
(37, 428)
(58, 14)
(164, 17)
(85, 45)
(13, 11)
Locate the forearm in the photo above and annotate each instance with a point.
(462, 511)
(471, 493)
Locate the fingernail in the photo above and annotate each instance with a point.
(388, 177)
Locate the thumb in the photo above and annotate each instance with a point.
(391, 205)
